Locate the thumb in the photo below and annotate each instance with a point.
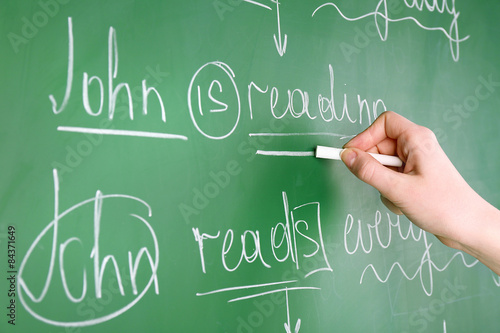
(369, 170)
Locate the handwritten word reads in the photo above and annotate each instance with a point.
(30, 28)
(11, 274)
(284, 239)
(100, 254)
(380, 234)
(381, 13)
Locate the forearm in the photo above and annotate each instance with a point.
(482, 237)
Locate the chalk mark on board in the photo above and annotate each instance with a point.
(341, 136)
(382, 13)
(98, 256)
(271, 292)
(280, 44)
(121, 132)
(262, 285)
(274, 291)
(69, 79)
(281, 40)
(284, 153)
(496, 279)
(258, 4)
(426, 263)
(290, 152)
(244, 287)
(297, 224)
(287, 324)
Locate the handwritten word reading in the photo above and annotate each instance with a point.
(284, 238)
(102, 261)
(364, 240)
(213, 99)
(441, 7)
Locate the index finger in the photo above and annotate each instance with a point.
(389, 125)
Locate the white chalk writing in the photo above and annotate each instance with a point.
(381, 12)
(365, 241)
(213, 98)
(100, 261)
(284, 239)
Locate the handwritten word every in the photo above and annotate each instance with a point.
(100, 261)
(364, 239)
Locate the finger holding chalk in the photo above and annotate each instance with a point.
(334, 154)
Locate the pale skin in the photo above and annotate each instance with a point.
(427, 189)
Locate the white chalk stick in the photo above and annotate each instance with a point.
(334, 154)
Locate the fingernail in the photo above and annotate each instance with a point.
(348, 156)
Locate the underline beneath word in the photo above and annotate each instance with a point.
(284, 153)
(121, 132)
(341, 136)
(286, 289)
(272, 292)
(245, 287)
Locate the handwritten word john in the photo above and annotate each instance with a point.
(104, 259)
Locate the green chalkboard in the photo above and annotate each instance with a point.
(157, 171)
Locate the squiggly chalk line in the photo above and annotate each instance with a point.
(452, 35)
(426, 259)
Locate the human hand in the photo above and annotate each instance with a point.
(427, 188)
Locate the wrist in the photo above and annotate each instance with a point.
(481, 237)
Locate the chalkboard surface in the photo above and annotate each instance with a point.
(157, 170)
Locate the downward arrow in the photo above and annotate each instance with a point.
(287, 325)
(280, 44)
(297, 327)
